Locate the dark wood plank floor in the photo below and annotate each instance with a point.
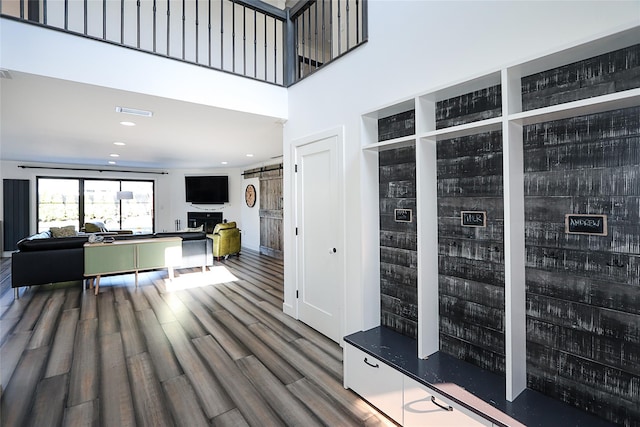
(208, 348)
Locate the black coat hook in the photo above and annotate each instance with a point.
(616, 263)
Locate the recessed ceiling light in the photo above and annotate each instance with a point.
(119, 143)
(224, 163)
(249, 155)
(134, 111)
(127, 123)
(114, 155)
(111, 162)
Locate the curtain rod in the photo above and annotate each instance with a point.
(87, 169)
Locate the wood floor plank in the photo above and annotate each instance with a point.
(320, 403)
(183, 403)
(6, 327)
(62, 347)
(183, 315)
(46, 325)
(107, 313)
(32, 312)
(160, 308)
(137, 298)
(229, 290)
(349, 401)
(232, 418)
(129, 330)
(231, 345)
(326, 344)
(283, 370)
(260, 293)
(88, 306)
(286, 405)
(116, 404)
(148, 397)
(72, 298)
(248, 400)
(83, 383)
(15, 408)
(10, 354)
(49, 402)
(158, 346)
(321, 358)
(234, 309)
(82, 415)
(212, 395)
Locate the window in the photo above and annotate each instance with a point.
(74, 201)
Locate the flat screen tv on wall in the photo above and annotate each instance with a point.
(207, 190)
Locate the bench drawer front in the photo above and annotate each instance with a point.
(376, 382)
(420, 409)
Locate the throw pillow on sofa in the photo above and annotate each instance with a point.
(67, 231)
(94, 227)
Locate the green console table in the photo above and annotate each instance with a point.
(131, 256)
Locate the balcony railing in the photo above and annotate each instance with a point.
(244, 37)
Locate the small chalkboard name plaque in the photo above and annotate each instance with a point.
(403, 215)
(473, 218)
(585, 224)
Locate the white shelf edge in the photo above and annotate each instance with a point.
(625, 99)
(391, 143)
(464, 129)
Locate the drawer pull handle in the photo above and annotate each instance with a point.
(446, 408)
(371, 364)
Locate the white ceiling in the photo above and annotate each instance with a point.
(56, 121)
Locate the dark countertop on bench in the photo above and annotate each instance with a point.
(439, 371)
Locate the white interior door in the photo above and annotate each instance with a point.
(319, 253)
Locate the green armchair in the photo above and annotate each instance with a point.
(226, 240)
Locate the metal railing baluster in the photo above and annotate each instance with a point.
(265, 49)
(348, 17)
(315, 30)
(104, 19)
(209, 32)
(221, 35)
(324, 49)
(275, 51)
(255, 43)
(168, 26)
(121, 21)
(138, 24)
(244, 40)
(85, 21)
(233, 37)
(155, 25)
(197, 31)
(339, 30)
(357, 21)
(44, 12)
(183, 28)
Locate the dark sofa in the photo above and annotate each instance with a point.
(42, 259)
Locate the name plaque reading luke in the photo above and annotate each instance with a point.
(595, 225)
(402, 215)
(473, 218)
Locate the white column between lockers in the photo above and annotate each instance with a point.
(427, 228)
(514, 246)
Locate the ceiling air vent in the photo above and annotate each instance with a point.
(134, 111)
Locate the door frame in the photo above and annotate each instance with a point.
(297, 144)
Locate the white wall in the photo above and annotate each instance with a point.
(414, 47)
(251, 218)
(170, 192)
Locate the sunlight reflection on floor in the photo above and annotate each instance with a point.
(215, 275)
